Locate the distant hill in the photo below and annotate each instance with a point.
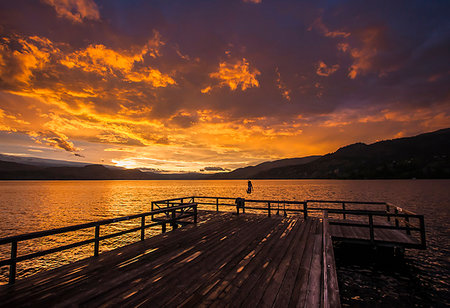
(423, 156)
(16, 171)
(252, 171)
(40, 162)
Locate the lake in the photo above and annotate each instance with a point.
(421, 279)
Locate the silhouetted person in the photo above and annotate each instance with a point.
(250, 187)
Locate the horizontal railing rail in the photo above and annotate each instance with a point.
(372, 225)
(183, 210)
(399, 216)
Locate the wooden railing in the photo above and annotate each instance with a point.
(403, 220)
(172, 215)
(371, 225)
(270, 206)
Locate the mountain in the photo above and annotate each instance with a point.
(40, 162)
(423, 156)
(252, 171)
(16, 171)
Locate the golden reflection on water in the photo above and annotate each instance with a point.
(28, 206)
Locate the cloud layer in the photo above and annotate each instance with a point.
(180, 85)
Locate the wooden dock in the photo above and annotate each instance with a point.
(226, 260)
(283, 258)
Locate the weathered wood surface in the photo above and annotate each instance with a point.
(225, 260)
(386, 237)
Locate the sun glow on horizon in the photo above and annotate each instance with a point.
(95, 84)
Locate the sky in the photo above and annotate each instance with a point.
(178, 86)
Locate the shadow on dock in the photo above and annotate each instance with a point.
(235, 258)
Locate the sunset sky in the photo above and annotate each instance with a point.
(186, 85)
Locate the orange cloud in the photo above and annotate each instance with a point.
(324, 70)
(234, 75)
(75, 10)
(18, 65)
(285, 92)
(54, 139)
(363, 56)
(105, 61)
(323, 29)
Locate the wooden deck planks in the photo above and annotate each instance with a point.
(229, 260)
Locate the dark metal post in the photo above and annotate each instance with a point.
(163, 228)
(343, 208)
(97, 241)
(268, 209)
(407, 225)
(217, 204)
(243, 206)
(305, 210)
(142, 228)
(422, 232)
(372, 236)
(12, 266)
(182, 199)
(388, 210)
(278, 209)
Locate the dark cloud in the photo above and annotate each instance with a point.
(214, 169)
(183, 120)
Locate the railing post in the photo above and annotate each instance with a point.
(268, 209)
(142, 228)
(174, 223)
(243, 206)
(407, 225)
(97, 241)
(163, 227)
(422, 232)
(195, 213)
(12, 266)
(182, 199)
(396, 220)
(388, 210)
(152, 217)
(305, 210)
(343, 208)
(372, 236)
(217, 204)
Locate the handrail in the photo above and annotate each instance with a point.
(390, 211)
(370, 214)
(14, 240)
(349, 202)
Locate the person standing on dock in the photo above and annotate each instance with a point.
(250, 187)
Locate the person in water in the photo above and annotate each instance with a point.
(250, 187)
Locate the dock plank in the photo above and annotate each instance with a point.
(224, 260)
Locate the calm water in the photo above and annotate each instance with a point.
(422, 279)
